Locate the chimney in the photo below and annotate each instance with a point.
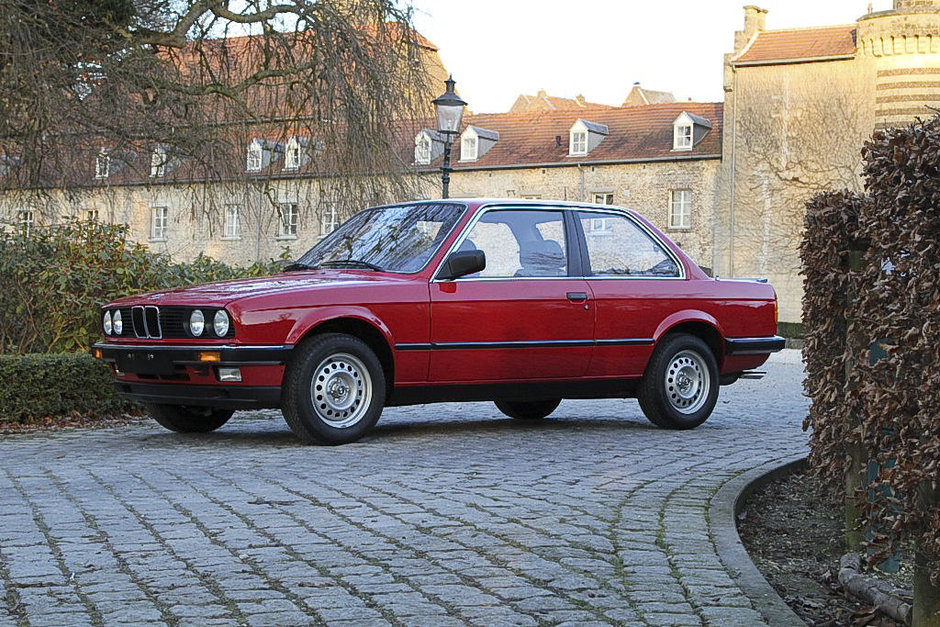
(755, 20)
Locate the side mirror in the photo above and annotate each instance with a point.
(461, 264)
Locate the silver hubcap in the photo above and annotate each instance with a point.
(687, 382)
(341, 390)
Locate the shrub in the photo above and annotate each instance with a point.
(54, 280)
(42, 385)
(881, 415)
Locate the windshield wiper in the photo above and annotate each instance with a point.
(351, 262)
(298, 266)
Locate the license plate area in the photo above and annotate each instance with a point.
(144, 362)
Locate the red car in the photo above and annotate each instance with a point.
(520, 302)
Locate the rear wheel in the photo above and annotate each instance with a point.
(189, 419)
(680, 386)
(528, 410)
(334, 390)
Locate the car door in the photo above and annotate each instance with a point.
(525, 316)
(633, 278)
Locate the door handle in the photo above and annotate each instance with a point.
(577, 297)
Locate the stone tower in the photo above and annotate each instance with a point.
(903, 46)
(908, 5)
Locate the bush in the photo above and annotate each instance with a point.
(53, 385)
(54, 281)
(886, 295)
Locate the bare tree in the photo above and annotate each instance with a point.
(195, 81)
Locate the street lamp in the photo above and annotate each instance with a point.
(449, 108)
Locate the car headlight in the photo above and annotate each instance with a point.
(117, 323)
(220, 323)
(106, 323)
(197, 322)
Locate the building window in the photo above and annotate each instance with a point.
(468, 148)
(329, 218)
(254, 157)
(680, 209)
(26, 218)
(292, 154)
(91, 215)
(682, 137)
(423, 150)
(158, 224)
(287, 220)
(158, 162)
(231, 229)
(102, 165)
(603, 198)
(579, 142)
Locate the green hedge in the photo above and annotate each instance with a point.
(37, 386)
(53, 281)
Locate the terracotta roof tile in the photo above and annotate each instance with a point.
(800, 44)
(635, 133)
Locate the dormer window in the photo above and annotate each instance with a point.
(158, 162)
(102, 165)
(429, 145)
(468, 148)
(476, 142)
(255, 156)
(688, 130)
(422, 149)
(584, 136)
(292, 154)
(682, 137)
(579, 142)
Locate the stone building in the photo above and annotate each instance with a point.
(728, 181)
(799, 104)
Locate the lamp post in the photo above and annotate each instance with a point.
(449, 109)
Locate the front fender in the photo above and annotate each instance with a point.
(319, 315)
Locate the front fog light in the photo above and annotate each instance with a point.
(230, 375)
(197, 322)
(220, 323)
(118, 324)
(106, 323)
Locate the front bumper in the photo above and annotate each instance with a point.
(181, 375)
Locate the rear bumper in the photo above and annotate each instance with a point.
(754, 345)
(220, 396)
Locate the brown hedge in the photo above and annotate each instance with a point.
(890, 408)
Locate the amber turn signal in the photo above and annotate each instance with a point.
(98, 353)
(210, 357)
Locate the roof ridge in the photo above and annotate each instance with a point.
(806, 28)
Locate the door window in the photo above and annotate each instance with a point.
(520, 243)
(624, 249)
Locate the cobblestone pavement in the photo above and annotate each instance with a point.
(447, 514)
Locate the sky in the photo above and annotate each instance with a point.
(498, 49)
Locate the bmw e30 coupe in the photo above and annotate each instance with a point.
(523, 303)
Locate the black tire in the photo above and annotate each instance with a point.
(528, 410)
(189, 419)
(333, 391)
(672, 402)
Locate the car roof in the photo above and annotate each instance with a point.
(515, 202)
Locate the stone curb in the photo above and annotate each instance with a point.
(722, 512)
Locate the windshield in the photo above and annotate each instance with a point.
(391, 239)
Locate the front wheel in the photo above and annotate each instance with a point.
(528, 410)
(680, 386)
(188, 419)
(334, 390)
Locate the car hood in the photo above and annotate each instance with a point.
(224, 292)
